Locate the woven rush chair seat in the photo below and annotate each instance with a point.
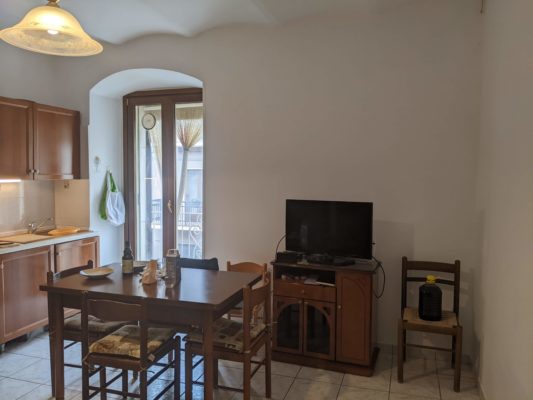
(96, 325)
(227, 334)
(449, 318)
(126, 341)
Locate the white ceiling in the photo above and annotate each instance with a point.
(116, 21)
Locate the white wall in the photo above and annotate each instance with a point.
(105, 142)
(369, 107)
(503, 301)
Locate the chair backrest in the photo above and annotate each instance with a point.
(210, 264)
(51, 276)
(248, 267)
(252, 299)
(97, 305)
(430, 266)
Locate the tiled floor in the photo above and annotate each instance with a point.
(25, 375)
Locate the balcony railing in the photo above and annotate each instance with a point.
(188, 229)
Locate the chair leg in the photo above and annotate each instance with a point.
(143, 385)
(401, 350)
(177, 372)
(103, 383)
(404, 345)
(215, 372)
(458, 359)
(188, 372)
(268, 368)
(454, 343)
(246, 377)
(85, 380)
(124, 383)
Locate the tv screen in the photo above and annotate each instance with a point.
(336, 228)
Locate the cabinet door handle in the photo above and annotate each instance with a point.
(29, 172)
(36, 171)
(169, 206)
(339, 306)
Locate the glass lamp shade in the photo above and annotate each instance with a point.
(51, 30)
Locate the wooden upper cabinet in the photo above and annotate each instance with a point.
(354, 310)
(38, 141)
(16, 139)
(56, 142)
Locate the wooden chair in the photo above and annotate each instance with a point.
(72, 323)
(449, 325)
(237, 341)
(246, 267)
(130, 348)
(210, 264)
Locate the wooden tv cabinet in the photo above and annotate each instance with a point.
(327, 326)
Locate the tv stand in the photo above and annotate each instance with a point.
(323, 316)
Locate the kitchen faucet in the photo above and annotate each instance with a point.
(32, 227)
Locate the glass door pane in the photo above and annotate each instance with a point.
(148, 182)
(288, 326)
(189, 179)
(317, 338)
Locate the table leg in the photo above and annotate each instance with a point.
(55, 323)
(208, 357)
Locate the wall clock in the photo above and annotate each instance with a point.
(148, 121)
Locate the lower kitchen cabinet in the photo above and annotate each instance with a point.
(76, 253)
(24, 306)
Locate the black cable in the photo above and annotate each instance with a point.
(277, 247)
(379, 264)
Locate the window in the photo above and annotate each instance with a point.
(163, 161)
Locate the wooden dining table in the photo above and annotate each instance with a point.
(201, 297)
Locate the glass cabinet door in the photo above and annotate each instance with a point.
(288, 331)
(319, 336)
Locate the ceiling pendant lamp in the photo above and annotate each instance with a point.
(51, 30)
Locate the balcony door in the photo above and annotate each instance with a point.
(163, 171)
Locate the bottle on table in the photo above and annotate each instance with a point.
(127, 259)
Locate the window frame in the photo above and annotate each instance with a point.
(168, 98)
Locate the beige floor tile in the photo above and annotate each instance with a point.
(231, 377)
(280, 385)
(38, 372)
(13, 388)
(11, 363)
(284, 369)
(399, 396)
(320, 375)
(418, 384)
(417, 367)
(312, 390)
(444, 368)
(380, 380)
(198, 393)
(44, 392)
(35, 348)
(469, 390)
(351, 393)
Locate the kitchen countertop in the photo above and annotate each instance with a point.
(48, 242)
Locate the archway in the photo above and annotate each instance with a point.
(105, 140)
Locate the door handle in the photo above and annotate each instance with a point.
(169, 206)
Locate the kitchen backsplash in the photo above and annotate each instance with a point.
(24, 202)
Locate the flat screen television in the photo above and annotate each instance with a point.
(335, 228)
